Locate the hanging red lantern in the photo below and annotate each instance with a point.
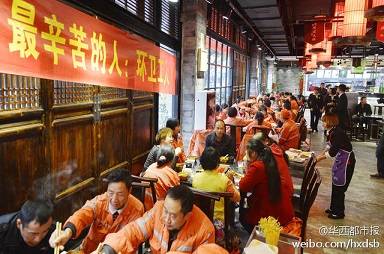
(337, 21)
(355, 24)
(377, 11)
(380, 31)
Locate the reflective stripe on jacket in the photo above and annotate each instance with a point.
(197, 230)
(95, 213)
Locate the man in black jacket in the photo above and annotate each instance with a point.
(223, 143)
(363, 108)
(27, 231)
(315, 104)
(342, 107)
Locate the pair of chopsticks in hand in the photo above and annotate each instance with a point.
(58, 229)
(57, 249)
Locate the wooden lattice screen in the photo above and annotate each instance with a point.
(69, 92)
(19, 92)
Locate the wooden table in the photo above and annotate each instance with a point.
(285, 242)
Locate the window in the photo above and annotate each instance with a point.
(240, 75)
(169, 15)
(219, 76)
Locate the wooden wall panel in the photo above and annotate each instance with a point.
(78, 135)
(72, 155)
(22, 167)
(142, 134)
(112, 140)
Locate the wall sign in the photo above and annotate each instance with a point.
(48, 39)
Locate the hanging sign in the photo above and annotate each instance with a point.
(314, 32)
(51, 40)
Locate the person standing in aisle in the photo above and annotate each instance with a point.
(315, 104)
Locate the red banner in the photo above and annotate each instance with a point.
(48, 39)
(314, 32)
(380, 31)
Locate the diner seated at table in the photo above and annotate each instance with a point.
(165, 175)
(212, 181)
(27, 230)
(174, 224)
(222, 142)
(363, 108)
(287, 106)
(164, 136)
(260, 120)
(294, 104)
(288, 136)
(174, 125)
(233, 119)
(268, 179)
(104, 214)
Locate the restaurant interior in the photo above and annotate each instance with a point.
(88, 88)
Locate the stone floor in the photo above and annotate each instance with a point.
(364, 202)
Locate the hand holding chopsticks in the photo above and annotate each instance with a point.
(58, 230)
(59, 238)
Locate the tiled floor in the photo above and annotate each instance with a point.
(364, 202)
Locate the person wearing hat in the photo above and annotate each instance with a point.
(289, 135)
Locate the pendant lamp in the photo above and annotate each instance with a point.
(376, 12)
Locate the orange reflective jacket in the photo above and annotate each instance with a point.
(166, 179)
(289, 135)
(95, 213)
(197, 230)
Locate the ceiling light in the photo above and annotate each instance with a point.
(259, 48)
(173, 1)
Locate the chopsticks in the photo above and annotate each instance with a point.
(58, 229)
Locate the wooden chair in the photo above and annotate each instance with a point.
(299, 199)
(229, 213)
(313, 188)
(205, 201)
(150, 181)
(300, 114)
(138, 190)
(302, 131)
(236, 132)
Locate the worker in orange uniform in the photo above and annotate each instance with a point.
(289, 134)
(106, 213)
(174, 224)
(174, 125)
(165, 175)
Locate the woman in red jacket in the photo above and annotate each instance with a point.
(268, 179)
